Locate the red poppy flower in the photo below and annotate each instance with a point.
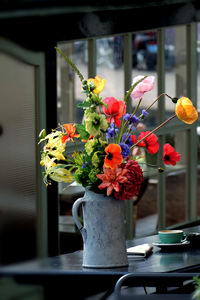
(170, 156)
(151, 142)
(134, 141)
(70, 133)
(113, 157)
(115, 109)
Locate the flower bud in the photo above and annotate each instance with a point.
(174, 100)
(185, 110)
(85, 87)
(42, 134)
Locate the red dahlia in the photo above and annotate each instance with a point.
(135, 178)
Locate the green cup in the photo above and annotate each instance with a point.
(171, 236)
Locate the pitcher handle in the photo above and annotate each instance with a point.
(81, 228)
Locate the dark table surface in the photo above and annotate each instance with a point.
(68, 267)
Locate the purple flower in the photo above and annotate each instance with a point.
(133, 120)
(84, 165)
(111, 131)
(131, 127)
(144, 113)
(125, 150)
(128, 140)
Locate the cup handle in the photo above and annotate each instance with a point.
(185, 237)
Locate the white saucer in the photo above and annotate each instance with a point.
(162, 245)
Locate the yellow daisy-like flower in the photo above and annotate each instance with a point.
(98, 82)
(185, 110)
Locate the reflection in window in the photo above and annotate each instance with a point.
(175, 202)
(145, 63)
(110, 66)
(68, 83)
(170, 70)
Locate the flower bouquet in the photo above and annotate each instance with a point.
(108, 162)
(107, 165)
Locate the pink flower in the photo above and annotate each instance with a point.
(144, 86)
(111, 179)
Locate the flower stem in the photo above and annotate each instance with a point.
(163, 94)
(124, 125)
(155, 129)
(134, 112)
(136, 109)
(71, 64)
(132, 88)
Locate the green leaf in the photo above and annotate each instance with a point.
(81, 130)
(83, 104)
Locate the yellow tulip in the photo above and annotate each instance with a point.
(185, 110)
(98, 82)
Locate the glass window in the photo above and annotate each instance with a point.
(110, 66)
(145, 63)
(68, 83)
(145, 208)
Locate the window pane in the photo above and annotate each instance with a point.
(68, 83)
(175, 201)
(144, 63)
(110, 66)
(175, 56)
(176, 181)
(170, 70)
(145, 209)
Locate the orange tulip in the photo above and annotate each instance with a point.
(185, 110)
